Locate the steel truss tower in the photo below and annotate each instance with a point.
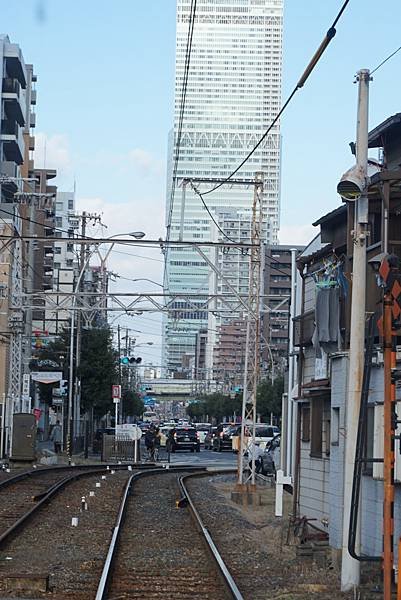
(252, 352)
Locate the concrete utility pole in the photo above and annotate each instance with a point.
(291, 368)
(350, 570)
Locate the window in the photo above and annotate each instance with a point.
(316, 427)
(71, 204)
(305, 415)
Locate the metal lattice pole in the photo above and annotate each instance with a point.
(252, 351)
(16, 325)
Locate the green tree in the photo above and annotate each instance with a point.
(132, 403)
(97, 370)
(268, 398)
(216, 406)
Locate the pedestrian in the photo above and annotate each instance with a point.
(150, 442)
(255, 452)
(170, 441)
(56, 437)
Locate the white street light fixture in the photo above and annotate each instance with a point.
(138, 235)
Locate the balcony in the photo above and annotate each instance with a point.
(9, 128)
(304, 326)
(12, 146)
(10, 86)
(15, 66)
(12, 102)
(33, 97)
(31, 142)
(32, 120)
(8, 169)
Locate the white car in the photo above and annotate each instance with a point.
(202, 429)
(265, 433)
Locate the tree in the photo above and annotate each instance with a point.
(132, 404)
(216, 406)
(97, 370)
(268, 398)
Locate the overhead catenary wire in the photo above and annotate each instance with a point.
(385, 60)
(191, 22)
(312, 64)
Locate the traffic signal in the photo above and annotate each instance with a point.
(130, 361)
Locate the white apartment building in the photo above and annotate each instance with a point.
(233, 94)
(65, 259)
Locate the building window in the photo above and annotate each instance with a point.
(70, 204)
(305, 411)
(316, 427)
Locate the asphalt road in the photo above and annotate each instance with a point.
(204, 457)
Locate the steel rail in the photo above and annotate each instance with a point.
(106, 575)
(222, 567)
(45, 497)
(38, 472)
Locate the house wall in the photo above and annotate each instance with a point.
(314, 486)
(339, 376)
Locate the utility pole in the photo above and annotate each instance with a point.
(291, 414)
(350, 570)
(76, 391)
(252, 352)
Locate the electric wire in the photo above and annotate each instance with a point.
(313, 62)
(188, 51)
(385, 60)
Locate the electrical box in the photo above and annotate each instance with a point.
(23, 443)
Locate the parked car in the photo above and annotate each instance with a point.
(208, 443)
(265, 433)
(224, 435)
(202, 429)
(185, 438)
(271, 456)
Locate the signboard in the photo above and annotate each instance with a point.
(128, 431)
(25, 384)
(116, 392)
(46, 376)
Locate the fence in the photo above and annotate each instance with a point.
(119, 449)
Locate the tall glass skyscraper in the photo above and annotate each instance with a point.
(233, 94)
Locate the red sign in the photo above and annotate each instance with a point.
(116, 391)
(36, 413)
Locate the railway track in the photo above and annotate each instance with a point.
(24, 494)
(159, 550)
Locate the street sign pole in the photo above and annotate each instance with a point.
(116, 395)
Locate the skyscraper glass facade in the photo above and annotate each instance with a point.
(233, 94)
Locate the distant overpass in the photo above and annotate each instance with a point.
(171, 389)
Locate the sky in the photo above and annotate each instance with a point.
(105, 102)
